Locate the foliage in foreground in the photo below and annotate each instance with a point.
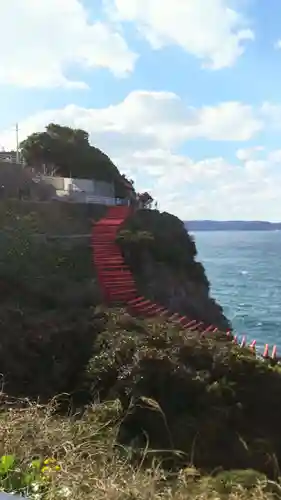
(186, 399)
(83, 462)
(31, 478)
(215, 403)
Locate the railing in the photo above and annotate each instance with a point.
(102, 200)
(79, 197)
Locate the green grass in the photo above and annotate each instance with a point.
(54, 218)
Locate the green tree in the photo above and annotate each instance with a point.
(67, 152)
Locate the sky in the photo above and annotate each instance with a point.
(183, 95)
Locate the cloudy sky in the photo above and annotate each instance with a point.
(184, 95)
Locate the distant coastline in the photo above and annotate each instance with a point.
(235, 225)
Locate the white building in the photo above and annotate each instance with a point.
(80, 190)
(9, 156)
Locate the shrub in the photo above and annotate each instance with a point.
(48, 324)
(165, 238)
(42, 354)
(216, 404)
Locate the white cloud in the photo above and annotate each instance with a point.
(275, 157)
(41, 40)
(149, 120)
(231, 121)
(142, 135)
(209, 188)
(248, 153)
(272, 113)
(208, 29)
(216, 189)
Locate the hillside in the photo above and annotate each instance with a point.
(50, 218)
(119, 407)
(163, 258)
(183, 407)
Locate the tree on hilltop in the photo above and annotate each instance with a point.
(66, 152)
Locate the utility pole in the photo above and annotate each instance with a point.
(17, 142)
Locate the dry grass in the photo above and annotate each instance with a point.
(91, 466)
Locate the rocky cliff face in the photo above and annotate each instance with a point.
(162, 256)
(180, 293)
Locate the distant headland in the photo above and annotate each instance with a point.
(232, 225)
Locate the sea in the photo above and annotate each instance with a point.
(244, 269)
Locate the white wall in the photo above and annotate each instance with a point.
(56, 182)
(85, 185)
(82, 190)
(99, 188)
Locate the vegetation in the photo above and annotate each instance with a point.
(67, 152)
(166, 413)
(189, 400)
(38, 267)
(163, 259)
(49, 218)
(88, 465)
(164, 237)
(96, 403)
(201, 397)
(44, 288)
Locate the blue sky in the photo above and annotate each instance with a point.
(186, 100)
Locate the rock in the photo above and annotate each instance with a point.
(162, 257)
(181, 293)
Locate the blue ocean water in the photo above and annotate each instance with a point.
(244, 269)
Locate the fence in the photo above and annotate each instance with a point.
(102, 200)
(78, 197)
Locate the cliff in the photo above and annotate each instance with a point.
(162, 256)
(157, 247)
(181, 398)
(49, 283)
